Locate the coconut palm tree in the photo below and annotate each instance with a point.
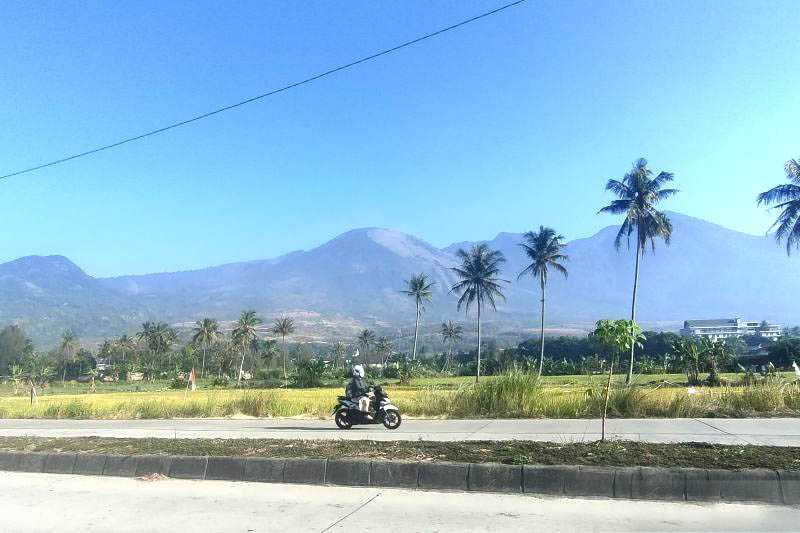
(68, 348)
(206, 333)
(637, 195)
(479, 283)
(366, 339)
(786, 197)
(125, 344)
(543, 248)
(451, 333)
(283, 326)
(243, 335)
(418, 288)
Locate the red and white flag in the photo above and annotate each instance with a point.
(192, 380)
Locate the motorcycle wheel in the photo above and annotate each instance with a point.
(343, 419)
(392, 419)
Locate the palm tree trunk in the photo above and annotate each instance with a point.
(416, 329)
(203, 368)
(478, 369)
(285, 377)
(541, 334)
(633, 305)
(241, 368)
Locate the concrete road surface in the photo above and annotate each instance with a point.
(62, 503)
(773, 431)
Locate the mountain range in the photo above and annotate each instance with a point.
(354, 281)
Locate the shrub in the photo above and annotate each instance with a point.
(308, 373)
(221, 381)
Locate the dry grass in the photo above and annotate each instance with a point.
(511, 396)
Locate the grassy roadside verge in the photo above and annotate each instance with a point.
(617, 453)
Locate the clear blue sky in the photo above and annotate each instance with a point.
(503, 125)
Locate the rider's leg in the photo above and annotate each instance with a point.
(363, 404)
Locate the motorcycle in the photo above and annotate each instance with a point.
(347, 414)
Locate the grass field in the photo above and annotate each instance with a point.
(513, 396)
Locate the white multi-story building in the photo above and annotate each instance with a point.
(726, 328)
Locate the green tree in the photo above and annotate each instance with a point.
(421, 290)
(451, 333)
(688, 353)
(283, 326)
(67, 349)
(715, 353)
(206, 333)
(159, 338)
(544, 250)
(786, 197)
(478, 284)
(268, 350)
(338, 351)
(366, 339)
(637, 195)
(619, 336)
(243, 335)
(14, 346)
(125, 344)
(384, 347)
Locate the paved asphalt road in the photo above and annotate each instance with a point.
(773, 431)
(62, 503)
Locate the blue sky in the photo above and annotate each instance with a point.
(506, 124)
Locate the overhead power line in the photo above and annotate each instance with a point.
(264, 95)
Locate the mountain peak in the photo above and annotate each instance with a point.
(54, 265)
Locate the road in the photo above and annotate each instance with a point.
(772, 431)
(62, 503)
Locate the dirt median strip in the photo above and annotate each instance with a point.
(609, 453)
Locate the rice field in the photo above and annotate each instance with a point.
(515, 395)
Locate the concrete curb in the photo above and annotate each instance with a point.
(643, 483)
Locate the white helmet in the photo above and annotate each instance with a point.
(358, 371)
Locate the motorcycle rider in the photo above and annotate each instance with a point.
(358, 389)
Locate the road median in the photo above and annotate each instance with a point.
(672, 484)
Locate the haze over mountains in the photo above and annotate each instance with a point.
(353, 281)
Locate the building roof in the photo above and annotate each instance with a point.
(714, 322)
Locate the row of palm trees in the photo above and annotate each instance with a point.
(243, 335)
(479, 285)
(638, 194)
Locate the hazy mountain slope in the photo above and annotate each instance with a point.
(707, 271)
(48, 294)
(356, 278)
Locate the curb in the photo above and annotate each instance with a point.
(637, 483)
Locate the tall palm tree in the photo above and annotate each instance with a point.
(479, 283)
(243, 335)
(68, 348)
(451, 333)
(283, 326)
(787, 198)
(206, 333)
(418, 288)
(366, 338)
(543, 249)
(637, 195)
